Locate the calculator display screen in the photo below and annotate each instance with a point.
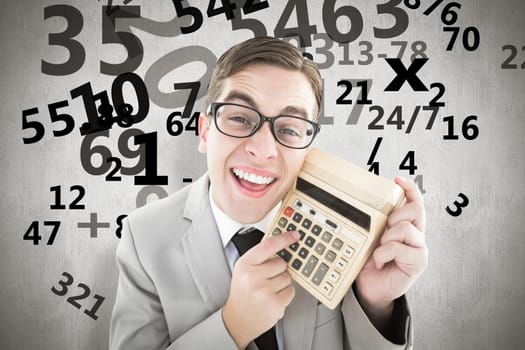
(343, 208)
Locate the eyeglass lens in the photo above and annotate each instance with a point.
(239, 121)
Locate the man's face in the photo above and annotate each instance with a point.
(272, 91)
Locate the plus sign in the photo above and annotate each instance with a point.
(93, 225)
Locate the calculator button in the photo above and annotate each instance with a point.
(316, 230)
(302, 233)
(297, 217)
(298, 203)
(276, 232)
(331, 223)
(327, 236)
(326, 288)
(341, 263)
(310, 265)
(348, 252)
(337, 244)
(312, 212)
(288, 211)
(296, 264)
(282, 222)
(294, 246)
(319, 274)
(319, 248)
(309, 241)
(291, 227)
(303, 253)
(286, 255)
(307, 223)
(330, 256)
(333, 276)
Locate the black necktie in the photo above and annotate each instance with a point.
(243, 240)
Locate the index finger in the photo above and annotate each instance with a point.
(267, 248)
(412, 192)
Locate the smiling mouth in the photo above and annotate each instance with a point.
(252, 178)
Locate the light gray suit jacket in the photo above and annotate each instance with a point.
(174, 280)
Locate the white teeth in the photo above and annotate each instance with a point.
(250, 177)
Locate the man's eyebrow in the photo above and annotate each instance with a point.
(289, 110)
(238, 95)
(293, 110)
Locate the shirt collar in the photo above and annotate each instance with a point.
(228, 227)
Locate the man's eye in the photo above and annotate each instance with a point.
(239, 119)
(289, 132)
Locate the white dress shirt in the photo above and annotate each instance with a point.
(227, 229)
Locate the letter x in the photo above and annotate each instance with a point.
(408, 75)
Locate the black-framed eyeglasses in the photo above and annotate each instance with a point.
(241, 121)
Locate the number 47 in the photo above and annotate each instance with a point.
(33, 235)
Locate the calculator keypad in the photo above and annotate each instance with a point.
(322, 254)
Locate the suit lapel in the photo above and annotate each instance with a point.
(203, 248)
(299, 320)
(209, 268)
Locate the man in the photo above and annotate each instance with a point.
(182, 284)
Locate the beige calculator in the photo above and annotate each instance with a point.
(340, 210)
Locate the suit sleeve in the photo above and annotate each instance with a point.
(138, 320)
(361, 333)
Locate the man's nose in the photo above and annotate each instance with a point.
(262, 144)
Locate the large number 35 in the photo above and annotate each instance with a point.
(133, 46)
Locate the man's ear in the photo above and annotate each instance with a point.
(204, 127)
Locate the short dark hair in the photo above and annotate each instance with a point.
(265, 50)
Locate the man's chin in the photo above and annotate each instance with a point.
(251, 211)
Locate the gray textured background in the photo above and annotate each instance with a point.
(471, 296)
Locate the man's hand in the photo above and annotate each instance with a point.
(398, 261)
(260, 290)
